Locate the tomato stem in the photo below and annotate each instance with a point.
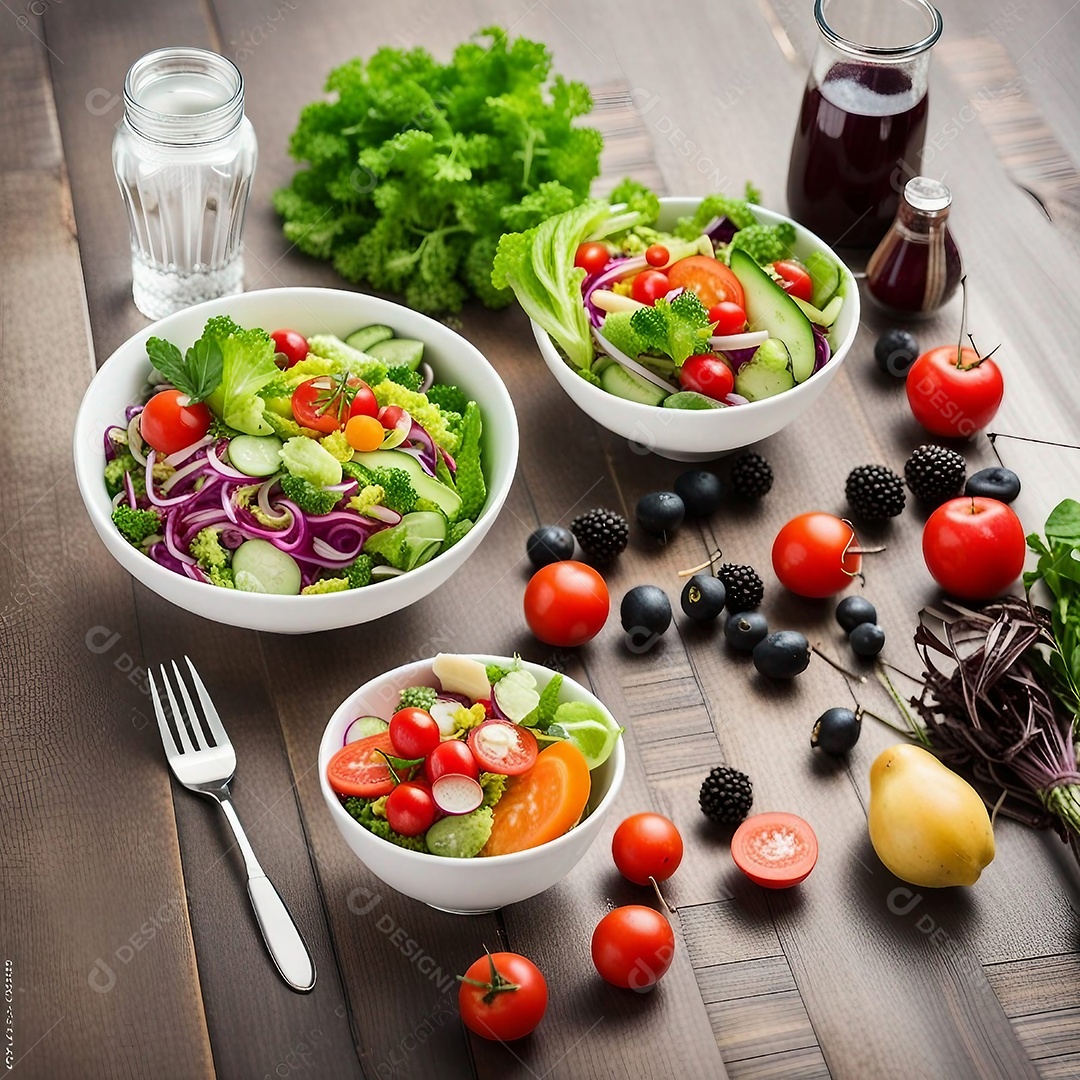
(963, 323)
(498, 984)
(661, 897)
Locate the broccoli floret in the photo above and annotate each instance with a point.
(136, 525)
(470, 476)
(285, 428)
(765, 243)
(467, 719)
(493, 785)
(368, 496)
(425, 413)
(398, 492)
(417, 697)
(114, 474)
(405, 376)
(361, 810)
(221, 576)
(310, 499)
(495, 673)
(325, 585)
(449, 398)
(337, 445)
(359, 574)
(206, 548)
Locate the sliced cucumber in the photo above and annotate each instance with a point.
(824, 277)
(265, 568)
(768, 307)
(255, 455)
(826, 316)
(690, 399)
(767, 374)
(427, 487)
(397, 352)
(367, 336)
(625, 384)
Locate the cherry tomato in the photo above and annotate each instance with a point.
(633, 947)
(169, 423)
(360, 769)
(775, 850)
(796, 279)
(502, 747)
(974, 547)
(364, 432)
(647, 845)
(592, 257)
(811, 554)
(452, 756)
(649, 286)
(954, 399)
(414, 733)
(389, 415)
(709, 278)
(363, 399)
(503, 996)
(657, 255)
(566, 603)
(728, 316)
(291, 345)
(410, 809)
(707, 374)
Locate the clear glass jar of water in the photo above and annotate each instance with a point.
(184, 157)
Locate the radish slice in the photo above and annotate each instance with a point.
(363, 727)
(442, 712)
(633, 365)
(455, 793)
(751, 340)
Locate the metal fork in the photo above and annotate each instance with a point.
(207, 769)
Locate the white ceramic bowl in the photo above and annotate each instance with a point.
(686, 435)
(454, 360)
(464, 886)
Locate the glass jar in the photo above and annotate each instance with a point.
(862, 125)
(184, 156)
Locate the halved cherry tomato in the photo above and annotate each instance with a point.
(649, 286)
(451, 757)
(796, 279)
(291, 345)
(503, 996)
(709, 278)
(360, 769)
(413, 733)
(502, 747)
(707, 374)
(812, 554)
(728, 316)
(389, 415)
(657, 255)
(633, 947)
(410, 809)
(775, 850)
(541, 804)
(592, 257)
(169, 423)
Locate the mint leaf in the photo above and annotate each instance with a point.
(204, 363)
(166, 358)
(1063, 524)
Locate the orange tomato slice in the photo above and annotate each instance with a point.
(709, 278)
(541, 804)
(775, 850)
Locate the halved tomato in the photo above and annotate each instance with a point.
(502, 747)
(709, 278)
(775, 850)
(359, 768)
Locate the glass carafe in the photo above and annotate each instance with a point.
(862, 125)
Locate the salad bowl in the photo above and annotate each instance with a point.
(464, 886)
(686, 435)
(123, 376)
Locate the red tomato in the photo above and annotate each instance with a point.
(363, 402)
(410, 809)
(974, 547)
(360, 769)
(502, 747)
(954, 397)
(647, 846)
(291, 345)
(709, 278)
(796, 280)
(389, 415)
(566, 603)
(413, 732)
(633, 947)
(326, 402)
(657, 255)
(775, 850)
(649, 286)
(728, 316)
(452, 756)
(707, 374)
(809, 557)
(503, 996)
(169, 423)
(592, 257)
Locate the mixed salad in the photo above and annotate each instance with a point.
(716, 313)
(275, 463)
(486, 762)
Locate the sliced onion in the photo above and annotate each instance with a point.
(427, 377)
(152, 495)
(132, 411)
(183, 455)
(129, 490)
(262, 497)
(135, 440)
(734, 342)
(110, 446)
(182, 474)
(227, 504)
(615, 271)
(226, 470)
(451, 464)
(672, 293)
(325, 551)
(195, 572)
(383, 513)
(118, 498)
(633, 365)
(382, 572)
(736, 399)
(170, 541)
(345, 487)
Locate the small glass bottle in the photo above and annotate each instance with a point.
(184, 156)
(917, 266)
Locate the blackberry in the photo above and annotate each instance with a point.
(745, 590)
(726, 795)
(603, 534)
(934, 474)
(875, 493)
(751, 476)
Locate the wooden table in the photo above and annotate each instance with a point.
(131, 948)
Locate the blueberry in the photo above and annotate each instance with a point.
(744, 629)
(836, 731)
(853, 610)
(867, 639)
(660, 512)
(994, 483)
(550, 543)
(896, 350)
(701, 492)
(703, 597)
(645, 613)
(782, 655)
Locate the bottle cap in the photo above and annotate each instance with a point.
(923, 193)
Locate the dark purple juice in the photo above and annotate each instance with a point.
(860, 136)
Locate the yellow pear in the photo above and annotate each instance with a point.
(927, 825)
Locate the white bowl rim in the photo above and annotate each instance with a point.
(426, 858)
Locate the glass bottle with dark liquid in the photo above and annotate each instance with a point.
(862, 124)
